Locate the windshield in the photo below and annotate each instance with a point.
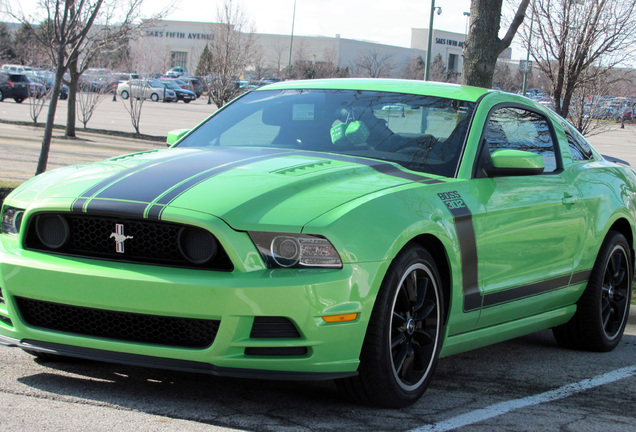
(421, 133)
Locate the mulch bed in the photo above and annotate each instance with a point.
(3, 193)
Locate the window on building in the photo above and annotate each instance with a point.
(453, 62)
(179, 58)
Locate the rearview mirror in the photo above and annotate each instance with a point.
(176, 135)
(515, 163)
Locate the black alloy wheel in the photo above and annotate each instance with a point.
(405, 333)
(603, 309)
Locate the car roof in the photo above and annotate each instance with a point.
(444, 90)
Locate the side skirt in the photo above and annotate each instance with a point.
(502, 332)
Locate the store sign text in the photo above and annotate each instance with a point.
(450, 42)
(178, 35)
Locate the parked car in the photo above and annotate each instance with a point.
(297, 234)
(37, 89)
(186, 96)
(121, 77)
(16, 69)
(176, 72)
(13, 85)
(146, 89)
(196, 84)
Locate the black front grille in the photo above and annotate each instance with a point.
(152, 242)
(122, 326)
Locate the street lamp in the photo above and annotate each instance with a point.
(467, 15)
(291, 40)
(427, 69)
(528, 68)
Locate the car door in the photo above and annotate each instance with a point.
(531, 226)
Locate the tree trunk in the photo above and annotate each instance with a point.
(50, 117)
(71, 111)
(483, 46)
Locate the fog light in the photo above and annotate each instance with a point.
(197, 245)
(52, 230)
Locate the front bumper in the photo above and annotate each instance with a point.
(235, 299)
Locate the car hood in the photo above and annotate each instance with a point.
(249, 188)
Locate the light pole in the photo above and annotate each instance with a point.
(467, 15)
(427, 69)
(291, 40)
(524, 86)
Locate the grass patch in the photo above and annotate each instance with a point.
(9, 184)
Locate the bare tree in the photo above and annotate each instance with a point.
(374, 64)
(483, 45)
(415, 69)
(438, 70)
(66, 30)
(504, 79)
(36, 103)
(119, 21)
(279, 49)
(134, 103)
(231, 49)
(575, 43)
(88, 102)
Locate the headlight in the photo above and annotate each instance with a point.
(296, 250)
(11, 220)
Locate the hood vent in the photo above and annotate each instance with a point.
(305, 168)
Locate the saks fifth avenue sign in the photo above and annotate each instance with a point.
(178, 35)
(450, 42)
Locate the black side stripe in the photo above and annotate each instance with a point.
(465, 229)
(474, 299)
(517, 293)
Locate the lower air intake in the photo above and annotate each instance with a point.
(122, 326)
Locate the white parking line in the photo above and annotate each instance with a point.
(505, 407)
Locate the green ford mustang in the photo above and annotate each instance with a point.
(355, 230)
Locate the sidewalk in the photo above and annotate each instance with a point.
(20, 149)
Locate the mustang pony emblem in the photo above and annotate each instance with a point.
(120, 238)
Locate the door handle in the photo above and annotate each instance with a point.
(569, 199)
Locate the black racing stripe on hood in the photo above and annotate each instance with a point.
(387, 168)
(78, 205)
(155, 210)
(150, 183)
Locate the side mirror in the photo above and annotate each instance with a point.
(515, 163)
(176, 135)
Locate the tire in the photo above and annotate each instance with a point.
(124, 94)
(186, 100)
(1, 96)
(603, 309)
(18, 100)
(154, 97)
(404, 337)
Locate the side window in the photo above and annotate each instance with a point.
(519, 129)
(579, 148)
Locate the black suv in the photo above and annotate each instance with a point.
(14, 86)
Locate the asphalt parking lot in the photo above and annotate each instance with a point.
(527, 384)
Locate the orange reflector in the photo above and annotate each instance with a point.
(340, 318)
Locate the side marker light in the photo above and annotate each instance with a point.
(340, 318)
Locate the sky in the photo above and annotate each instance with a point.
(382, 21)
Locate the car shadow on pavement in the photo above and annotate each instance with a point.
(518, 368)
